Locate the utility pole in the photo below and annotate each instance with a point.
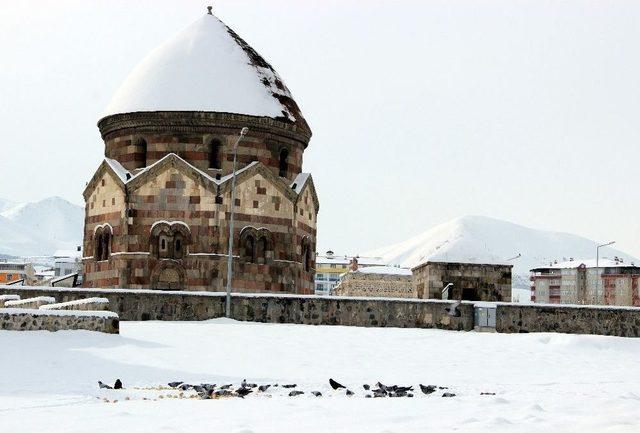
(232, 205)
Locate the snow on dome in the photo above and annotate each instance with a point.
(206, 67)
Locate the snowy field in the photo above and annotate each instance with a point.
(542, 382)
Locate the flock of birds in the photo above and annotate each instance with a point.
(207, 391)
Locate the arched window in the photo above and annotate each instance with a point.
(249, 245)
(142, 152)
(215, 150)
(307, 260)
(163, 247)
(256, 245)
(102, 239)
(170, 240)
(261, 250)
(177, 246)
(98, 252)
(305, 256)
(284, 154)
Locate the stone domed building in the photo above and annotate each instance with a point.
(158, 207)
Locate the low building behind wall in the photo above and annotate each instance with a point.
(330, 267)
(613, 282)
(379, 281)
(469, 281)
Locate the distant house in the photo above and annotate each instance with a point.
(329, 268)
(12, 271)
(43, 274)
(608, 282)
(463, 281)
(67, 262)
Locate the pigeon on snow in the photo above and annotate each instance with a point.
(427, 389)
(243, 391)
(104, 385)
(335, 385)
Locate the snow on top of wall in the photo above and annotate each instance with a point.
(385, 270)
(206, 67)
(76, 302)
(76, 313)
(48, 299)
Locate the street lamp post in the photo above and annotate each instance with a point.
(243, 132)
(598, 267)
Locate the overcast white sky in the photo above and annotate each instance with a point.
(422, 111)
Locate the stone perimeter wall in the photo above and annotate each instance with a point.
(14, 319)
(315, 310)
(312, 310)
(617, 321)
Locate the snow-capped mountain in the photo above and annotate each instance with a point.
(40, 228)
(6, 204)
(480, 239)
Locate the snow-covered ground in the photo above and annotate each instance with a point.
(543, 382)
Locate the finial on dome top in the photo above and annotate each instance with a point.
(209, 10)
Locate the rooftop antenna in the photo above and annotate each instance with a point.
(209, 10)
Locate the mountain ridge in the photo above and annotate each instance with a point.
(481, 239)
(41, 227)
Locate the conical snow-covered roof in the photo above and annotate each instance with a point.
(206, 67)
